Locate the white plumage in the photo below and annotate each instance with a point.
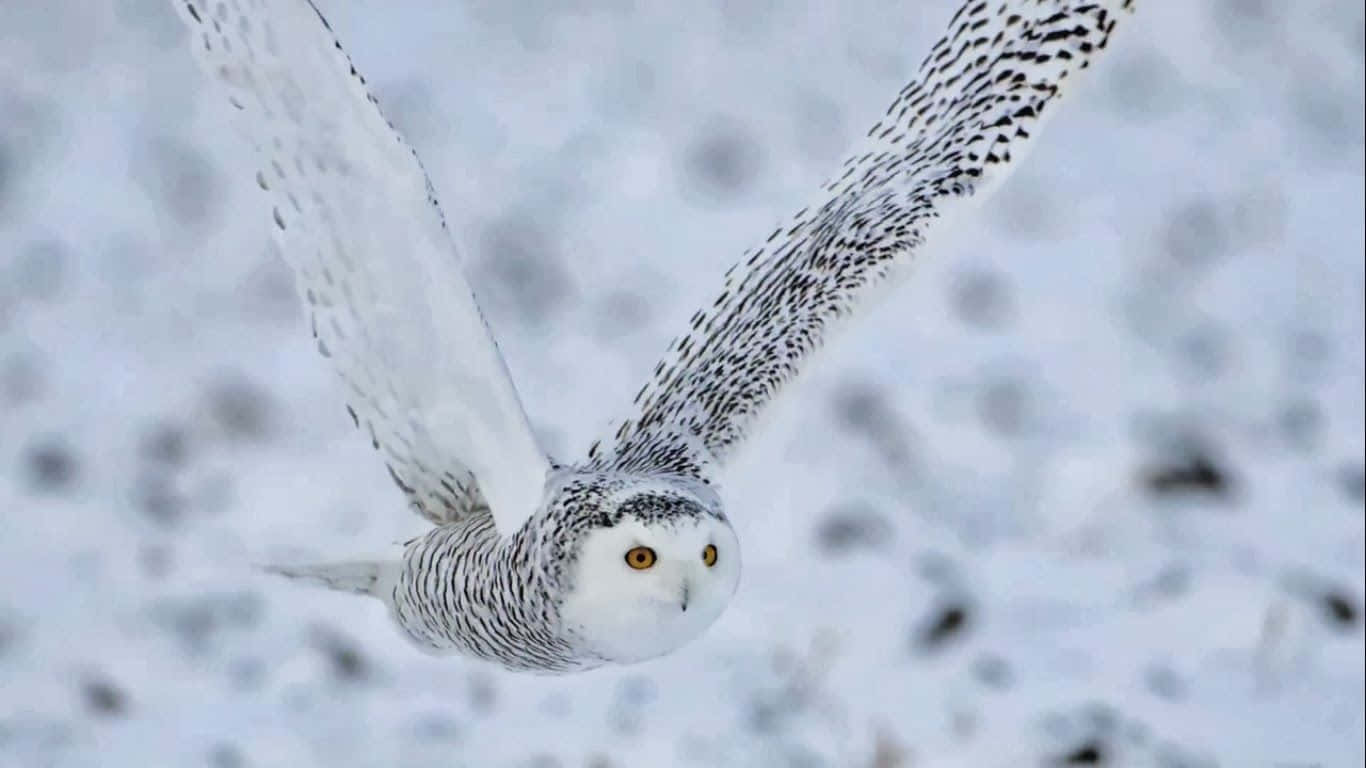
(628, 554)
(359, 224)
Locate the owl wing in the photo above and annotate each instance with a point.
(356, 219)
(949, 137)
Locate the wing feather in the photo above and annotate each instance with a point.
(949, 137)
(356, 218)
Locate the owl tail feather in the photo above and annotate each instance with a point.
(362, 577)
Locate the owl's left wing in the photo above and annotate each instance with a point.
(356, 219)
(948, 138)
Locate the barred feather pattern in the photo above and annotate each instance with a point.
(950, 135)
(464, 589)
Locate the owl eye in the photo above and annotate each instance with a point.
(640, 558)
(709, 555)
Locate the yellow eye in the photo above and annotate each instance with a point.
(709, 555)
(640, 558)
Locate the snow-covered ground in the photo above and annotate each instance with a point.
(1088, 488)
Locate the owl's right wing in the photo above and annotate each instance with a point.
(356, 219)
(948, 138)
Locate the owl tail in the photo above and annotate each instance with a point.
(362, 577)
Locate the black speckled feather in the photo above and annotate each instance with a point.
(979, 97)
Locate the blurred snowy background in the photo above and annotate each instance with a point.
(1088, 490)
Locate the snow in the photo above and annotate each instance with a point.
(978, 534)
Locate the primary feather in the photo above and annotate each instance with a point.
(357, 220)
(950, 136)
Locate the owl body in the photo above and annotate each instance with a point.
(559, 595)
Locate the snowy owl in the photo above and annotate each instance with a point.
(627, 553)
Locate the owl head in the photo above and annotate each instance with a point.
(652, 569)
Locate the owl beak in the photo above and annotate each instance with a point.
(684, 602)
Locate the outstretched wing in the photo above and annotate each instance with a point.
(949, 137)
(356, 218)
